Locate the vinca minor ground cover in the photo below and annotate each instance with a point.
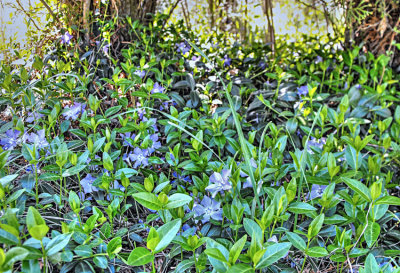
(188, 153)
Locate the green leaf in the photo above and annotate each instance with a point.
(7, 179)
(241, 268)
(253, 229)
(111, 111)
(49, 177)
(39, 231)
(178, 200)
(73, 171)
(140, 256)
(107, 162)
(161, 96)
(100, 261)
(15, 254)
(315, 226)
(34, 218)
(296, 240)
(216, 254)
(236, 249)
(317, 252)
(301, 208)
(371, 266)
(388, 200)
(372, 233)
(359, 188)
(148, 200)
(84, 251)
(167, 233)
(114, 246)
(273, 254)
(8, 238)
(57, 243)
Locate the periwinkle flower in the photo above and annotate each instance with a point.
(319, 59)
(74, 111)
(32, 116)
(87, 184)
(183, 48)
(179, 177)
(157, 88)
(39, 139)
(125, 137)
(139, 156)
(317, 143)
(155, 143)
(11, 140)
(262, 65)
(220, 182)
(140, 73)
(317, 191)
(66, 38)
(302, 90)
(209, 209)
(105, 48)
(227, 60)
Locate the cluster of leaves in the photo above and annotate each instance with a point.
(188, 155)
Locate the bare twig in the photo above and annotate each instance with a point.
(48, 8)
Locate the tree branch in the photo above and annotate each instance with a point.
(48, 8)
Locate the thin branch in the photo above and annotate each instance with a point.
(27, 14)
(48, 8)
(170, 13)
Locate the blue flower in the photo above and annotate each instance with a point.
(87, 184)
(11, 140)
(316, 143)
(302, 90)
(139, 157)
(179, 177)
(66, 38)
(155, 143)
(208, 208)
(32, 116)
(183, 48)
(39, 139)
(157, 88)
(220, 183)
(74, 111)
(105, 48)
(127, 136)
(319, 59)
(317, 191)
(140, 73)
(227, 60)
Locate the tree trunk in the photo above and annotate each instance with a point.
(136, 9)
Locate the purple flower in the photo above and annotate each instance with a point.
(262, 65)
(183, 48)
(39, 139)
(317, 143)
(139, 157)
(87, 184)
(208, 208)
(302, 90)
(127, 136)
(317, 191)
(140, 73)
(141, 111)
(157, 88)
(227, 60)
(155, 143)
(196, 58)
(32, 116)
(179, 177)
(12, 139)
(105, 48)
(220, 183)
(66, 38)
(74, 111)
(318, 59)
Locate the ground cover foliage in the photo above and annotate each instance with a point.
(183, 153)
